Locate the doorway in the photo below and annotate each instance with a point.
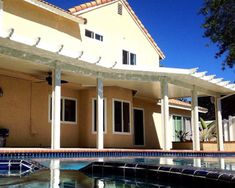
(138, 127)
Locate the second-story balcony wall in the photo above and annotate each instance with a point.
(27, 21)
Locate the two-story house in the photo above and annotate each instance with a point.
(90, 77)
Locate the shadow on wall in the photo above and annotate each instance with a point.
(158, 130)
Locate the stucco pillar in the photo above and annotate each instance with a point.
(219, 128)
(56, 97)
(195, 121)
(100, 112)
(165, 115)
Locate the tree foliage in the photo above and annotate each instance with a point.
(219, 26)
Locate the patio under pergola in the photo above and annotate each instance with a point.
(160, 84)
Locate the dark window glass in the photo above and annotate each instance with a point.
(126, 117)
(117, 116)
(95, 115)
(89, 34)
(133, 59)
(98, 37)
(125, 57)
(50, 108)
(119, 8)
(61, 109)
(70, 110)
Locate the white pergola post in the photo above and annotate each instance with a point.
(219, 128)
(195, 125)
(165, 115)
(56, 97)
(100, 112)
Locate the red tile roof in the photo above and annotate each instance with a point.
(183, 104)
(95, 3)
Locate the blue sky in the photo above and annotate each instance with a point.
(176, 27)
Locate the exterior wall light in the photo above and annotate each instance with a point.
(1, 92)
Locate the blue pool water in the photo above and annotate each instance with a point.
(227, 164)
(65, 172)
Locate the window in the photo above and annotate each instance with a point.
(94, 110)
(98, 37)
(125, 57)
(93, 35)
(128, 58)
(181, 123)
(68, 110)
(133, 59)
(119, 9)
(89, 34)
(121, 116)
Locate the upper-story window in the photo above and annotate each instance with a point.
(89, 33)
(93, 35)
(98, 37)
(128, 58)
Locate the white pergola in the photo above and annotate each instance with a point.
(162, 83)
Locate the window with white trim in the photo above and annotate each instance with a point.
(99, 37)
(68, 110)
(89, 33)
(94, 113)
(93, 35)
(121, 117)
(181, 123)
(128, 58)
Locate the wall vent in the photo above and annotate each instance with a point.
(119, 9)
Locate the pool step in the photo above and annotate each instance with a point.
(18, 167)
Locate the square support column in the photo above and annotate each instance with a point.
(195, 125)
(219, 128)
(100, 114)
(56, 97)
(165, 115)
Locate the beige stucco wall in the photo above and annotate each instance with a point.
(152, 122)
(24, 110)
(86, 137)
(120, 32)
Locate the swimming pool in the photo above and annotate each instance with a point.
(65, 172)
(216, 163)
